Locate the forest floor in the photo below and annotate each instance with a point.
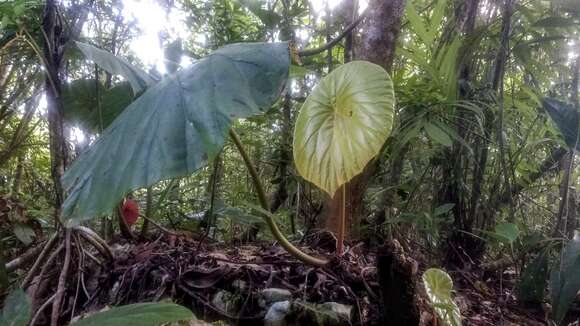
(196, 274)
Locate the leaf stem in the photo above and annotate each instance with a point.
(268, 217)
(342, 225)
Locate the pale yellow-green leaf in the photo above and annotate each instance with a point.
(343, 124)
(438, 286)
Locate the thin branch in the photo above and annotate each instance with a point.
(333, 42)
(158, 225)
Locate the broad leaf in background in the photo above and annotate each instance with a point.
(24, 233)
(91, 108)
(437, 134)
(438, 286)
(139, 314)
(343, 124)
(506, 232)
(555, 22)
(532, 284)
(570, 5)
(566, 118)
(139, 79)
(240, 216)
(565, 279)
(173, 128)
(17, 310)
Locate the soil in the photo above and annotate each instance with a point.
(190, 273)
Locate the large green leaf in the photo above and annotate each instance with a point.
(566, 118)
(565, 279)
(17, 309)
(93, 107)
(175, 126)
(343, 124)
(139, 314)
(138, 78)
(438, 286)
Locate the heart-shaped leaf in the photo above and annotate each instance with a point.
(507, 232)
(438, 286)
(173, 128)
(343, 124)
(139, 314)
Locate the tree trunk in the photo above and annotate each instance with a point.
(285, 155)
(18, 176)
(462, 247)
(397, 274)
(376, 44)
(53, 51)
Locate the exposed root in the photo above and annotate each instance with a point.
(58, 256)
(47, 247)
(24, 258)
(95, 240)
(61, 280)
(41, 309)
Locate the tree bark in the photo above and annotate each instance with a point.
(380, 29)
(53, 29)
(463, 247)
(397, 274)
(285, 156)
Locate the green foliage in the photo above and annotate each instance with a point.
(555, 22)
(268, 17)
(343, 124)
(139, 314)
(438, 286)
(15, 12)
(432, 223)
(17, 309)
(565, 279)
(173, 128)
(240, 216)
